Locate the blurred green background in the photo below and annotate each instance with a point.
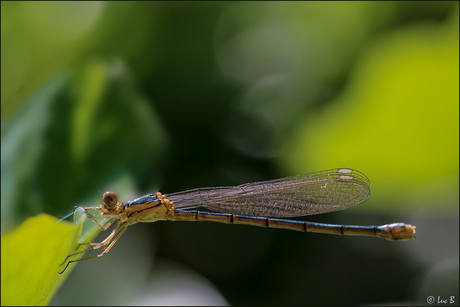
(139, 97)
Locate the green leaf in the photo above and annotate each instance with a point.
(31, 258)
(77, 135)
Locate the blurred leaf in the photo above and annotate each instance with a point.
(83, 129)
(397, 121)
(31, 257)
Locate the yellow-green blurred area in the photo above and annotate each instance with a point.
(140, 97)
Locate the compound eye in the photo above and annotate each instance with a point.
(110, 199)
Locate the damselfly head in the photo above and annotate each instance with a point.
(110, 199)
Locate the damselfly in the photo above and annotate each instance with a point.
(258, 204)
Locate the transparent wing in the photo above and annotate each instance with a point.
(313, 193)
